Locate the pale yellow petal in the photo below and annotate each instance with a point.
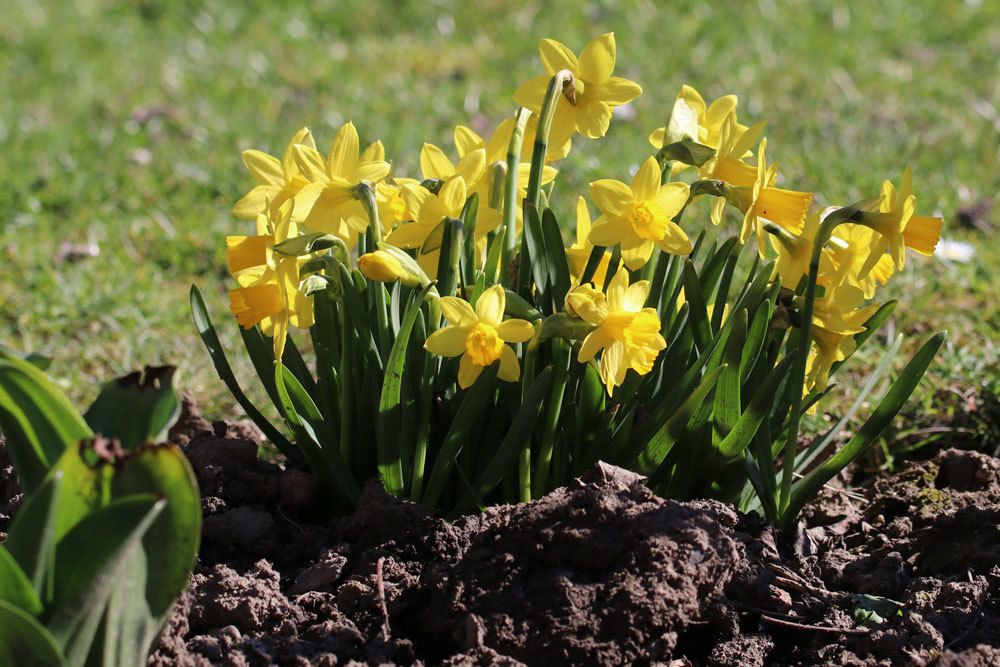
(468, 371)
(510, 369)
(556, 56)
(646, 182)
(593, 120)
(452, 196)
(265, 169)
(592, 344)
(458, 311)
(613, 365)
(310, 163)
(532, 92)
(612, 197)
(516, 331)
(254, 202)
(374, 153)
(472, 166)
(435, 164)
(466, 140)
(490, 306)
(597, 60)
(635, 296)
(616, 290)
(610, 231)
(345, 152)
(582, 221)
(447, 341)
(617, 91)
(636, 255)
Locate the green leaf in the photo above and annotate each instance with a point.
(806, 488)
(667, 435)
(698, 315)
(206, 330)
(306, 421)
(24, 642)
(517, 308)
(15, 587)
(389, 408)
(32, 534)
(37, 420)
(727, 404)
(89, 563)
(740, 436)
(155, 575)
(559, 279)
(306, 244)
(534, 240)
(469, 414)
(137, 408)
(520, 430)
(493, 257)
(688, 152)
(562, 325)
(448, 274)
(469, 215)
(357, 314)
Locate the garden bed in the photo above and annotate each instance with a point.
(600, 572)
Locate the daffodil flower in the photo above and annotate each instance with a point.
(849, 246)
(709, 121)
(627, 335)
(897, 226)
(467, 140)
(277, 180)
(578, 254)
(785, 208)
(641, 216)
(268, 292)
(586, 105)
(472, 168)
(481, 336)
(327, 203)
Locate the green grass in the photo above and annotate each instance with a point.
(121, 125)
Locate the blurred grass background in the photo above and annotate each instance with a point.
(122, 122)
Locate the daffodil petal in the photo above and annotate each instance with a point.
(452, 195)
(610, 231)
(458, 311)
(612, 197)
(531, 93)
(617, 91)
(510, 369)
(593, 120)
(597, 60)
(672, 197)
(468, 371)
(490, 306)
(646, 182)
(466, 140)
(636, 256)
(310, 163)
(265, 169)
(435, 164)
(447, 341)
(516, 331)
(556, 56)
(592, 344)
(345, 152)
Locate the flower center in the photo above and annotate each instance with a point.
(616, 325)
(483, 344)
(645, 223)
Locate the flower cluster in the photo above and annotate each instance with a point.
(438, 285)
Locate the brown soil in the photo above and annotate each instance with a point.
(600, 572)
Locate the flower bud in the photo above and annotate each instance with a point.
(388, 264)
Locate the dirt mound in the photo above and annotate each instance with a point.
(906, 571)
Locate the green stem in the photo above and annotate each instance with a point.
(366, 195)
(510, 192)
(424, 407)
(548, 111)
(524, 457)
(798, 376)
(561, 376)
(346, 390)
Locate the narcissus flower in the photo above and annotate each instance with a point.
(277, 180)
(578, 254)
(327, 203)
(480, 336)
(641, 216)
(627, 334)
(785, 208)
(849, 247)
(268, 292)
(897, 226)
(585, 104)
(709, 120)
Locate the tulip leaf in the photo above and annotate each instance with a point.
(153, 407)
(37, 420)
(24, 642)
(90, 560)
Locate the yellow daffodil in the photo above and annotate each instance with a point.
(467, 139)
(480, 336)
(833, 331)
(429, 210)
(392, 208)
(897, 226)
(627, 335)
(268, 292)
(785, 208)
(849, 247)
(327, 203)
(578, 254)
(472, 168)
(585, 105)
(277, 180)
(388, 264)
(641, 216)
(709, 121)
